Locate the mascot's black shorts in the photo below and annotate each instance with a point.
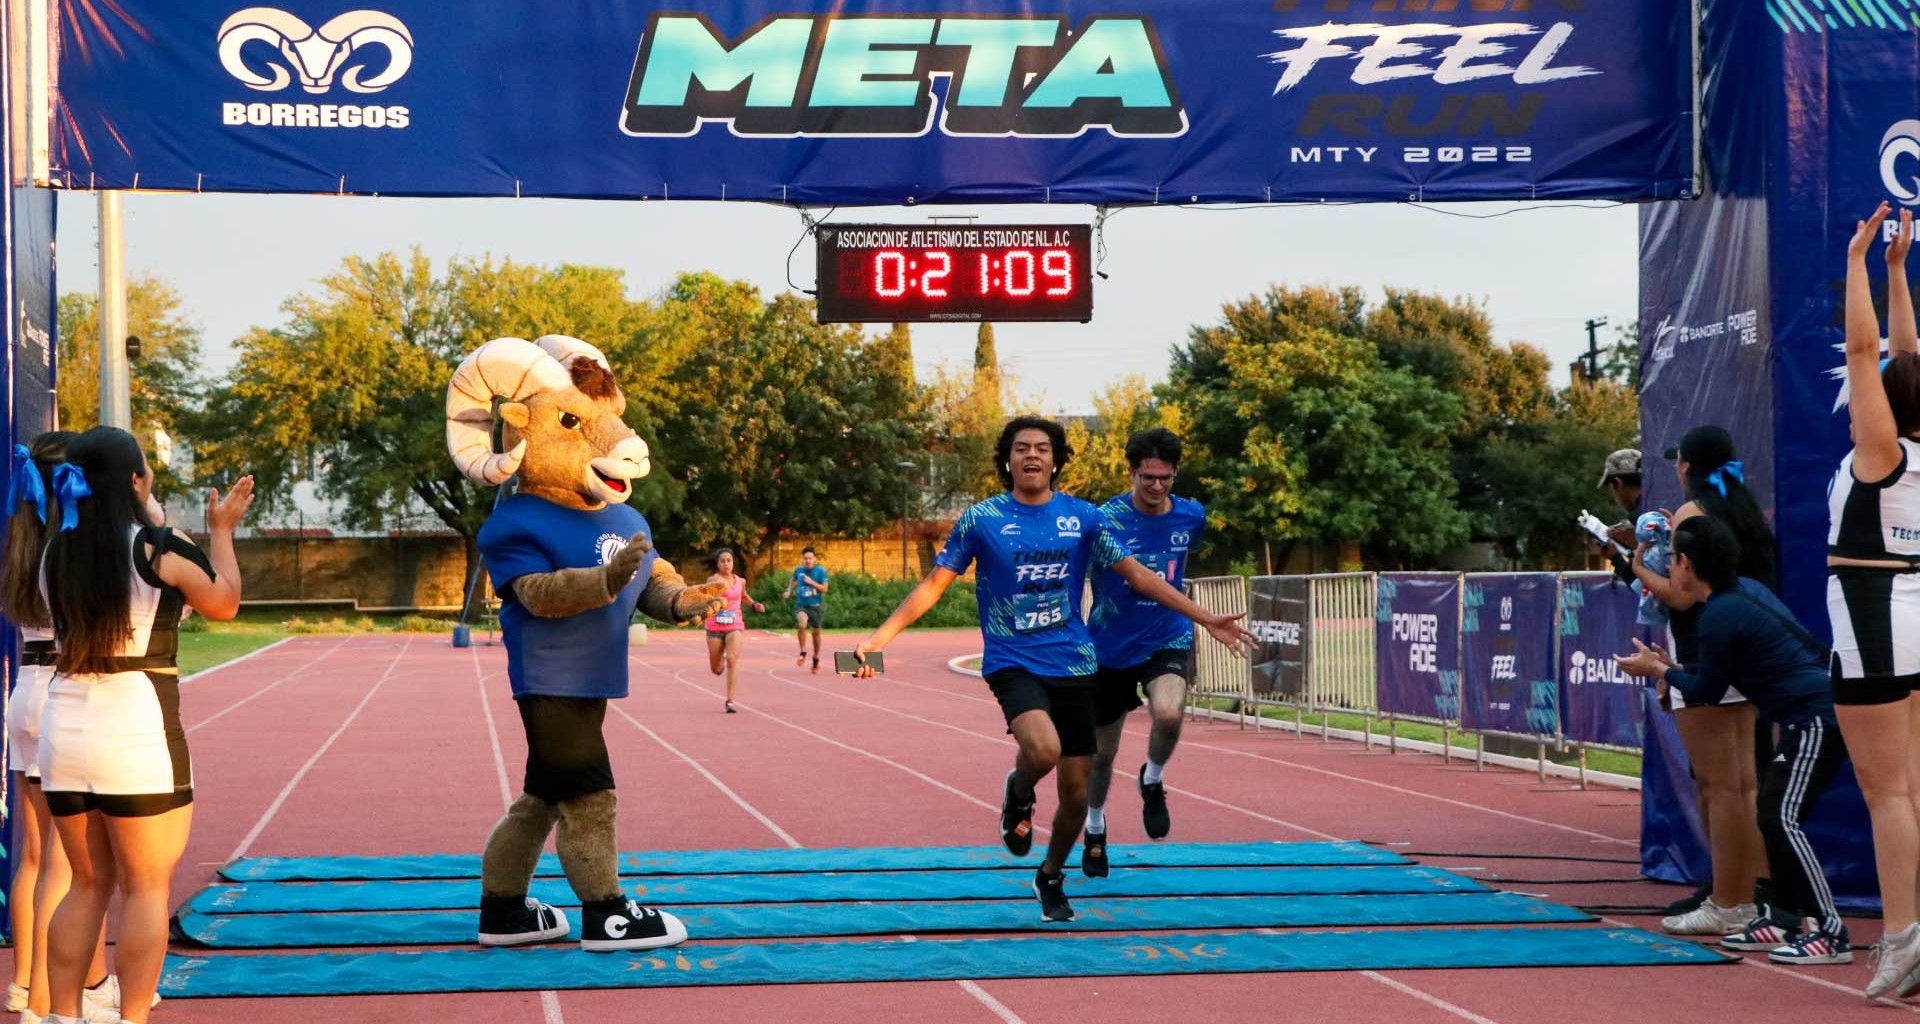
(566, 753)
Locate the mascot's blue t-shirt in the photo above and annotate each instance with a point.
(582, 655)
(1127, 628)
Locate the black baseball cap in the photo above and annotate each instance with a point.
(1708, 447)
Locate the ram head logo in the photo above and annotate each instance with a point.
(315, 55)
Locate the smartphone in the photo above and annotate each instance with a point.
(846, 664)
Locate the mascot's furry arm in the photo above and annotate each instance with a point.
(667, 596)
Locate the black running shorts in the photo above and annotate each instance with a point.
(1117, 691)
(816, 615)
(566, 752)
(1067, 700)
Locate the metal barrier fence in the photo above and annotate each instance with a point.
(1520, 655)
(1217, 671)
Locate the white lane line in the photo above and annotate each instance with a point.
(1003, 741)
(850, 748)
(229, 663)
(986, 999)
(549, 999)
(1428, 998)
(216, 716)
(710, 777)
(280, 801)
(1202, 745)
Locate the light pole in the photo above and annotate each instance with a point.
(906, 485)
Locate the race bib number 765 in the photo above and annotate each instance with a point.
(1035, 612)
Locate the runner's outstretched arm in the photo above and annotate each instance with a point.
(1147, 583)
(918, 602)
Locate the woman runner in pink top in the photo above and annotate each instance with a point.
(727, 627)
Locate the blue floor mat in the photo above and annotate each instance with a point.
(793, 921)
(319, 974)
(334, 897)
(749, 862)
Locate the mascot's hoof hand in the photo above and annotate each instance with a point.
(700, 601)
(621, 569)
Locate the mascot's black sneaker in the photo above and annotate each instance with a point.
(1093, 855)
(519, 921)
(608, 926)
(1052, 890)
(1016, 821)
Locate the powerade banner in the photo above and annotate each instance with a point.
(871, 102)
(1506, 651)
(1417, 645)
(1598, 702)
(1279, 615)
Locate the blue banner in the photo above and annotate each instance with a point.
(876, 103)
(1507, 672)
(1417, 644)
(1598, 702)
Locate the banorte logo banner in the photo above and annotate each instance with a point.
(871, 102)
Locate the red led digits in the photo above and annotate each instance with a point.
(879, 272)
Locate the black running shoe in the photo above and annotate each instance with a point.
(1153, 807)
(1688, 904)
(608, 926)
(1093, 855)
(519, 921)
(1052, 890)
(1016, 821)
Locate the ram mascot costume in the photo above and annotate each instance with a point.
(571, 562)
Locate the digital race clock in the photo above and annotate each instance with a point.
(883, 273)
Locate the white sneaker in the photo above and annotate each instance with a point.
(29, 1017)
(1709, 918)
(16, 998)
(107, 994)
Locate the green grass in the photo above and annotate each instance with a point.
(972, 661)
(202, 651)
(1597, 760)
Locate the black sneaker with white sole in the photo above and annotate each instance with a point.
(1052, 891)
(519, 921)
(1093, 855)
(608, 926)
(1016, 821)
(1153, 807)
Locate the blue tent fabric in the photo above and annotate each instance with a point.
(287, 897)
(503, 970)
(786, 921)
(781, 860)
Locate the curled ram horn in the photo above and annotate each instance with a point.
(511, 369)
(566, 350)
(259, 24)
(355, 29)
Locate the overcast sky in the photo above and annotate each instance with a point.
(1541, 271)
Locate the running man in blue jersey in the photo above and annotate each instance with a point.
(1034, 548)
(809, 609)
(1141, 643)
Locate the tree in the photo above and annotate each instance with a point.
(1540, 484)
(986, 375)
(1505, 392)
(1099, 467)
(894, 353)
(355, 380)
(778, 422)
(1300, 430)
(164, 386)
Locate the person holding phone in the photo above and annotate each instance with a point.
(726, 628)
(1034, 547)
(809, 607)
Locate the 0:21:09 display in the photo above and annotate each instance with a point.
(1017, 273)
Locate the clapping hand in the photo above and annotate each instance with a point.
(225, 514)
(1865, 231)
